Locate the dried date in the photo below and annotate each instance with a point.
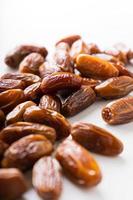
(69, 39)
(7, 84)
(3, 147)
(2, 118)
(33, 92)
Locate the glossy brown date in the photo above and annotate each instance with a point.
(27, 78)
(2, 118)
(12, 184)
(115, 87)
(78, 101)
(50, 118)
(59, 81)
(46, 178)
(23, 153)
(94, 67)
(90, 82)
(16, 114)
(123, 71)
(7, 84)
(96, 139)
(78, 164)
(3, 147)
(31, 63)
(69, 39)
(33, 92)
(18, 130)
(50, 102)
(119, 111)
(14, 58)
(93, 49)
(10, 98)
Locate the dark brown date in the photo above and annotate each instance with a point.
(18, 130)
(78, 164)
(7, 84)
(12, 184)
(93, 49)
(119, 111)
(14, 58)
(31, 63)
(115, 87)
(69, 39)
(16, 114)
(46, 178)
(96, 139)
(2, 118)
(50, 102)
(60, 80)
(123, 71)
(78, 101)
(10, 98)
(27, 78)
(3, 147)
(23, 153)
(50, 118)
(94, 67)
(33, 92)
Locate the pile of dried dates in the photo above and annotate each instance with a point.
(34, 104)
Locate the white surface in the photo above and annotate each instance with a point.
(104, 22)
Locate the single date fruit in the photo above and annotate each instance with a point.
(69, 39)
(7, 84)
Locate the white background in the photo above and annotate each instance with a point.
(104, 22)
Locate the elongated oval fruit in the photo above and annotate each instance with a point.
(14, 57)
(46, 178)
(18, 130)
(115, 87)
(7, 84)
(12, 184)
(119, 111)
(96, 139)
(16, 114)
(33, 92)
(60, 80)
(10, 98)
(90, 82)
(123, 70)
(50, 102)
(50, 118)
(78, 101)
(69, 39)
(25, 152)
(91, 66)
(48, 68)
(2, 118)
(78, 164)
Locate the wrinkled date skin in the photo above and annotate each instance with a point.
(115, 87)
(10, 98)
(23, 153)
(50, 102)
(33, 92)
(46, 178)
(3, 147)
(78, 164)
(96, 139)
(94, 67)
(69, 39)
(59, 81)
(14, 58)
(18, 130)
(119, 111)
(62, 57)
(31, 63)
(7, 84)
(16, 114)
(2, 118)
(50, 118)
(78, 47)
(90, 82)
(123, 71)
(78, 101)
(12, 184)
(27, 78)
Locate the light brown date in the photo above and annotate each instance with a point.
(3, 147)
(31, 63)
(78, 164)
(14, 58)
(46, 178)
(33, 92)
(69, 39)
(93, 49)
(7, 84)
(96, 139)
(94, 67)
(12, 184)
(59, 81)
(27, 78)
(23, 153)
(16, 114)
(115, 87)
(50, 118)
(2, 118)
(119, 111)
(50, 102)
(18, 130)
(123, 71)
(90, 82)
(10, 98)
(78, 101)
